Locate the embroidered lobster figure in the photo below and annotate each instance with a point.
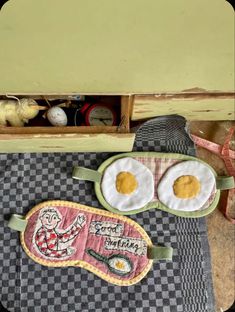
(53, 242)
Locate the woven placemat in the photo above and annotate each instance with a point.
(183, 285)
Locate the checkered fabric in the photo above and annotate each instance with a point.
(182, 285)
(165, 134)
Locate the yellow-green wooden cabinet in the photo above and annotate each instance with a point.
(162, 56)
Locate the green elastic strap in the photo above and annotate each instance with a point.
(17, 222)
(160, 253)
(81, 173)
(225, 183)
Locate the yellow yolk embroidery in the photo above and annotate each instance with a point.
(126, 183)
(120, 265)
(186, 187)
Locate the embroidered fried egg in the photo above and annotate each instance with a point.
(127, 184)
(186, 186)
(120, 265)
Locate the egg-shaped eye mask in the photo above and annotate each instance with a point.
(130, 183)
(62, 233)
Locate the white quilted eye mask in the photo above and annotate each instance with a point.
(130, 183)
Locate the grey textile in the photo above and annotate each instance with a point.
(183, 285)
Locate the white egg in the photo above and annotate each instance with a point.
(141, 195)
(204, 176)
(57, 116)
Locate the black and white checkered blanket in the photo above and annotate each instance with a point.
(183, 285)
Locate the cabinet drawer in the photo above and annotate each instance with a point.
(193, 106)
(71, 139)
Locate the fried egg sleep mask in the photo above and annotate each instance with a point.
(130, 183)
(114, 247)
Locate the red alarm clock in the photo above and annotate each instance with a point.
(99, 115)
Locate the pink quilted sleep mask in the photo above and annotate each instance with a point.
(62, 233)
